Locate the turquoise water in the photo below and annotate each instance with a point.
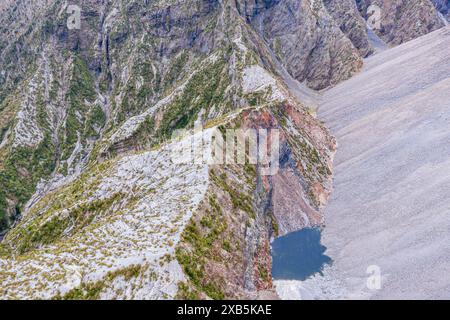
(298, 255)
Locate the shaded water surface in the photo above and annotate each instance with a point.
(298, 255)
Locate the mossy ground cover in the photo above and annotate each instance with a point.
(24, 167)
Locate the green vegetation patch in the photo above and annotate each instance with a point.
(66, 211)
(240, 199)
(93, 290)
(22, 170)
(49, 231)
(207, 235)
(81, 93)
(206, 88)
(186, 292)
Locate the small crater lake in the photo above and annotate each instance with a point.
(298, 255)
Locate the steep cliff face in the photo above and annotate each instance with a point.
(305, 38)
(225, 249)
(443, 6)
(402, 21)
(95, 206)
(64, 89)
(128, 77)
(141, 226)
(114, 217)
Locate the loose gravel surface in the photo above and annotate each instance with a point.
(391, 204)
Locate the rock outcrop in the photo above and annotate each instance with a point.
(443, 6)
(402, 21)
(306, 39)
(113, 216)
(94, 205)
(348, 18)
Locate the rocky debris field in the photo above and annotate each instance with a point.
(390, 208)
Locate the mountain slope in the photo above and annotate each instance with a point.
(443, 6)
(67, 95)
(402, 21)
(91, 205)
(390, 205)
(132, 224)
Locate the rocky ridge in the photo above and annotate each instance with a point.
(93, 204)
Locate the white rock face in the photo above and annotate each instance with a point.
(144, 233)
(391, 206)
(132, 124)
(257, 79)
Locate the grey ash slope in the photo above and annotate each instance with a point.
(390, 206)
